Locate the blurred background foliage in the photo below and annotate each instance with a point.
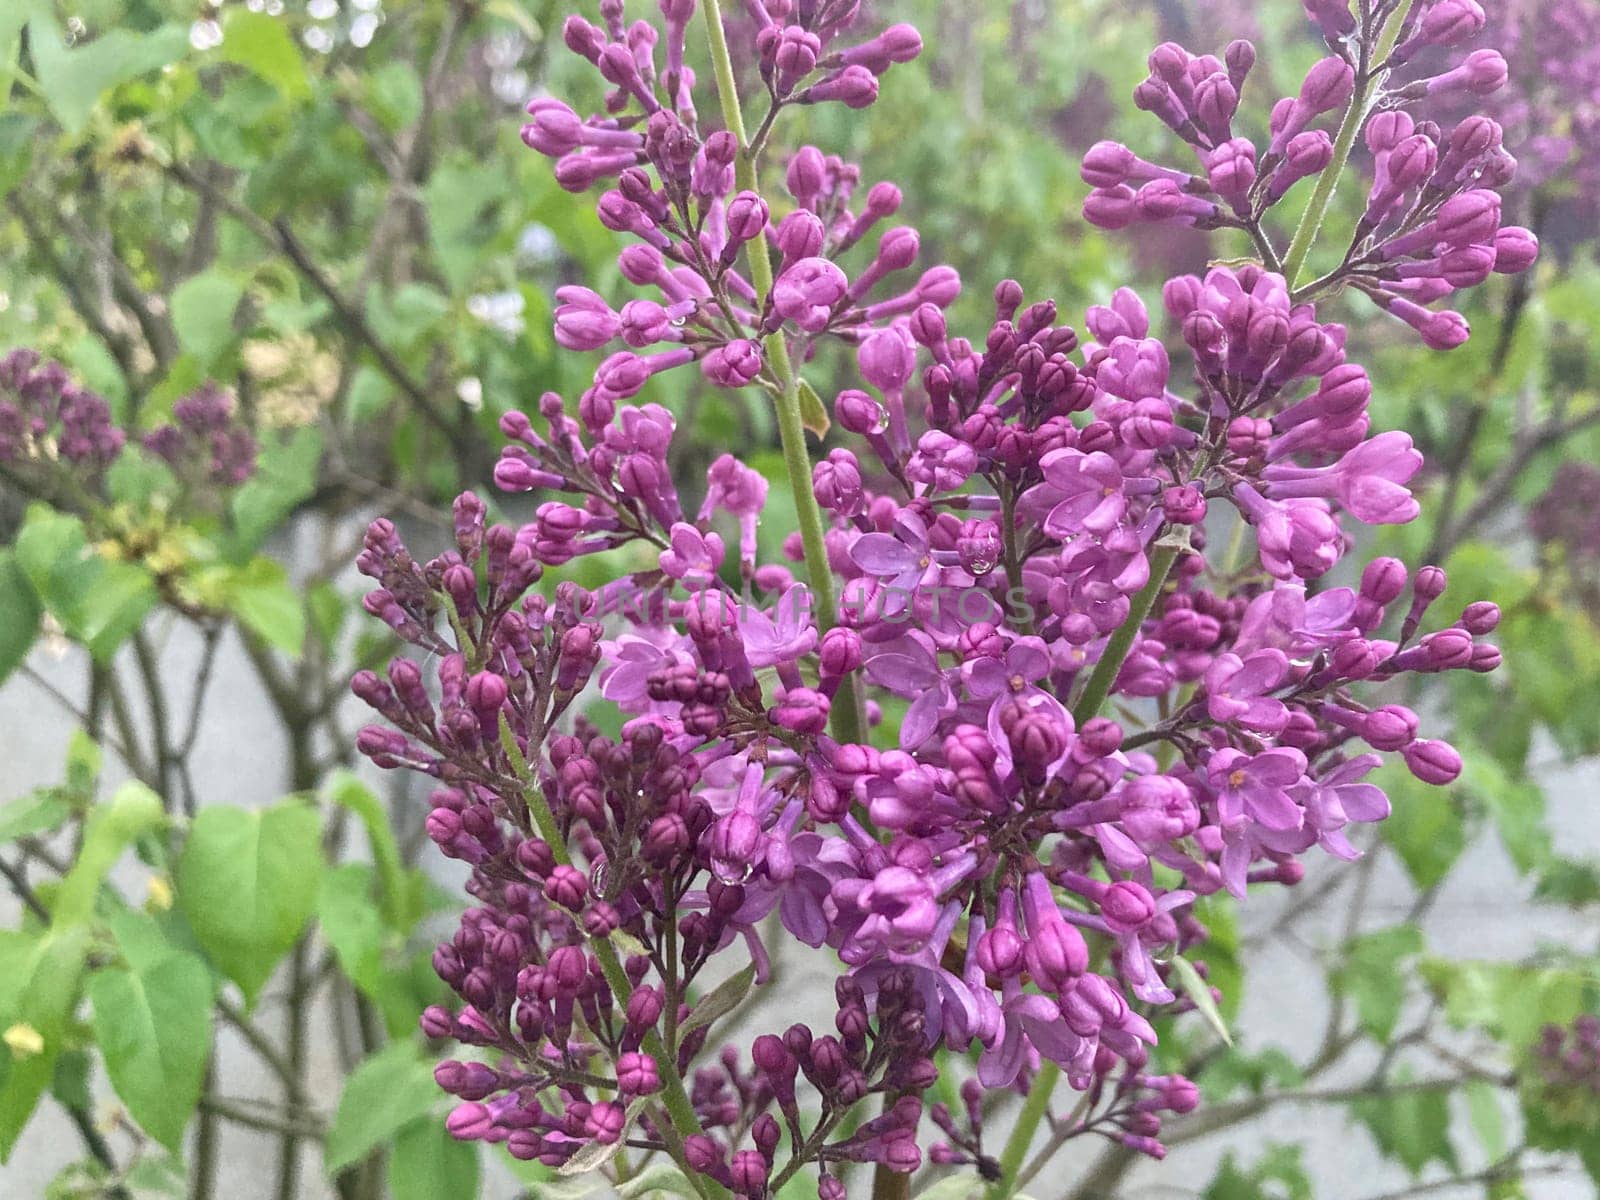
(325, 207)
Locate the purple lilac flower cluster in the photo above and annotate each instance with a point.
(205, 434)
(1564, 1073)
(48, 422)
(45, 416)
(1551, 105)
(1432, 220)
(1021, 526)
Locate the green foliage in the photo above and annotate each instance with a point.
(387, 1094)
(99, 601)
(1373, 973)
(1411, 1127)
(152, 1023)
(1277, 1175)
(247, 882)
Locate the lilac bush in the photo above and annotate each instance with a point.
(1053, 655)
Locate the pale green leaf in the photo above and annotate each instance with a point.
(383, 1095)
(153, 1027)
(1198, 990)
(247, 881)
(426, 1163)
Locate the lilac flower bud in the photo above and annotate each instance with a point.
(749, 1172)
(837, 483)
(896, 44)
(1440, 330)
(567, 887)
(1056, 955)
(793, 56)
(436, 1023)
(702, 1153)
(1306, 154)
(1240, 57)
(1391, 727)
(555, 129)
(733, 365)
(1332, 16)
(858, 412)
(1383, 580)
(1001, 951)
(1432, 761)
(800, 237)
(1127, 907)
(807, 291)
(1515, 249)
(807, 175)
(637, 1075)
(1231, 170)
(854, 87)
(1107, 164)
(802, 710)
(733, 842)
(746, 220)
(887, 359)
(469, 1122)
(1110, 208)
(1451, 21)
(605, 1122)
(1329, 84)
(644, 1007)
(1480, 617)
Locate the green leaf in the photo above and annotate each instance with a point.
(262, 45)
(370, 394)
(1412, 1128)
(19, 614)
(383, 1095)
(69, 1083)
(428, 1164)
(666, 1177)
(593, 1155)
(1280, 1167)
(1510, 1000)
(348, 792)
(722, 1000)
(1425, 826)
(99, 602)
(74, 80)
(37, 812)
(134, 810)
(286, 475)
(1488, 1122)
(38, 990)
(268, 605)
(1198, 990)
(813, 412)
(153, 1026)
(202, 312)
(1373, 974)
(247, 881)
(18, 133)
(350, 922)
(394, 94)
(1517, 808)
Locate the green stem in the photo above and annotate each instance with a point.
(1033, 1112)
(1105, 671)
(1355, 115)
(681, 1122)
(846, 712)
